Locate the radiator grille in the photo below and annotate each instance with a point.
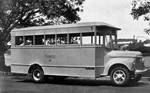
(139, 64)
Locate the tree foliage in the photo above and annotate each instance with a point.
(24, 13)
(141, 8)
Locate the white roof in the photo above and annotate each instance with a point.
(84, 24)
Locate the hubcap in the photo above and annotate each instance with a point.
(119, 76)
(36, 75)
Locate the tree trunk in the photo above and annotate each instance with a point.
(2, 61)
(3, 67)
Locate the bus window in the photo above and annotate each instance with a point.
(62, 39)
(99, 40)
(39, 40)
(19, 40)
(88, 38)
(28, 40)
(50, 39)
(74, 38)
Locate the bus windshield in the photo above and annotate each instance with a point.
(110, 42)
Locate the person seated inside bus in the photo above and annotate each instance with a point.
(22, 44)
(50, 41)
(75, 40)
(28, 42)
(61, 40)
(19, 41)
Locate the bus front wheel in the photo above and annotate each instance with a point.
(37, 74)
(120, 76)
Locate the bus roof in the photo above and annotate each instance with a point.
(84, 24)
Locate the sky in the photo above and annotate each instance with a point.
(116, 13)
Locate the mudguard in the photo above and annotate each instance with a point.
(127, 62)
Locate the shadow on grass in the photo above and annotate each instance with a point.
(138, 84)
(83, 82)
(5, 68)
(146, 54)
(147, 73)
(73, 82)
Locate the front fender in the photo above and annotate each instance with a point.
(120, 61)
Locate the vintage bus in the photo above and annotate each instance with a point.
(73, 50)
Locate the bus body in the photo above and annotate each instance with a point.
(77, 50)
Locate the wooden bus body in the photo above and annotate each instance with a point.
(77, 50)
(68, 59)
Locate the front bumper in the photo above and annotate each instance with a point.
(140, 71)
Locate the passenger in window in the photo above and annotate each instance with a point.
(74, 40)
(58, 41)
(20, 42)
(47, 41)
(71, 40)
(28, 42)
(63, 40)
(52, 41)
(43, 40)
(78, 40)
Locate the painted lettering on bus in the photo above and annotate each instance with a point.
(50, 57)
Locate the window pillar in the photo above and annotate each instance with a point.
(67, 38)
(95, 34)
(55, 39)
(80, 38)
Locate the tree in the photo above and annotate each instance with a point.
(141, 8)
(24, 13)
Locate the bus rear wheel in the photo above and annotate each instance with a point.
(37, 74)
(120, 76)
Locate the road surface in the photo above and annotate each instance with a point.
(18, 85)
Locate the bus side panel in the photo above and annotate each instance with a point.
(74, 56)
(27, 56)
(69, 71)
(99, 61)
(22, 69)
(72, 61)
(23, 57)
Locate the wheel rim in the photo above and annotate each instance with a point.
(119, 76)
(37, 75)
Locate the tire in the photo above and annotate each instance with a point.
(37, 75)
(120, 76)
